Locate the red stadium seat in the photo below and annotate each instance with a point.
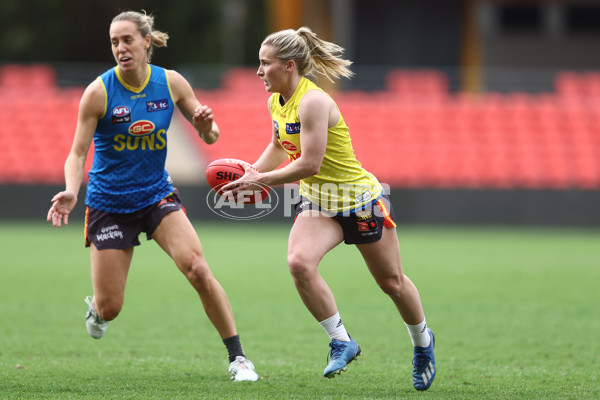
(36, 76)
(413, 134)
(417, 82)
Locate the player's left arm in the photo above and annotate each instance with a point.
(199, 115)
(314, 114)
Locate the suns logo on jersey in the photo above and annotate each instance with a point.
(292, 150)
(140, 128)
(142, 137)
(289, 146)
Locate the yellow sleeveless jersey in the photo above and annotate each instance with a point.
(342, 184)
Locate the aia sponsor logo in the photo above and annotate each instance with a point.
(141, 128)
(121, 115)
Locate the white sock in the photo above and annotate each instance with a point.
(418, 334)
(335, 328)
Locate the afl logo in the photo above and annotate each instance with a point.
(289, 146)
(121, 111)
(121, 115)
(140, 128)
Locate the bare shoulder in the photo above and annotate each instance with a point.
(315, 101)
(317, 97)
(94, 97)
(179, 85)
(95, 89)
(174, 76)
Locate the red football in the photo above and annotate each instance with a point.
(224, 170)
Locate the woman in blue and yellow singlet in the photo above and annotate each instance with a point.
(339, 199)
(127, 112)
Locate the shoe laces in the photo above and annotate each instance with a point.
(241, 363)
(420, 361)
(88, 301)
(336, 350)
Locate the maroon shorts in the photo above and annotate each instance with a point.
(120, 231)
(362, 226)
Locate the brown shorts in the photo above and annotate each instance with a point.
(361, 226)
(120, 231)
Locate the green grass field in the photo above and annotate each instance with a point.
(515, 313)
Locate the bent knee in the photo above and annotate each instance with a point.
(391, 286)
(198, 272)
(300, 266)
(108, 310)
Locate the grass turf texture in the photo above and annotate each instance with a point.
(515, 313)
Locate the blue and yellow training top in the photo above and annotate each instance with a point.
(128, 172)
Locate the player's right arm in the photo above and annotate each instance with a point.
(274, 155)
(91, 109)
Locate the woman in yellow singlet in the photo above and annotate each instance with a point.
(339, 200)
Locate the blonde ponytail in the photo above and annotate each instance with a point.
(310, 53)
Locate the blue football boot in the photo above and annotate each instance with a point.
(340, 355)
(424, 365)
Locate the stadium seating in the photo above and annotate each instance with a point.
(38, 121)
(37, 76)
(416, 133)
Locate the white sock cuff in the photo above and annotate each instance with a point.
(418, 334)
(335, 328)
(331, 320)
